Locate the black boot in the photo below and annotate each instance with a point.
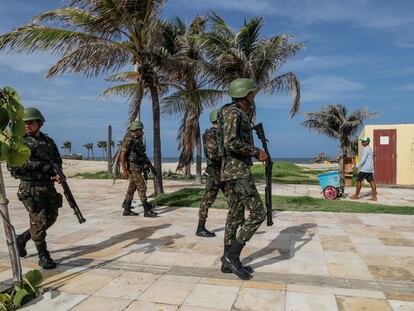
(21, 241)
(231, 260)
(127, 209)
(44, 257)
(224, 269)
(125, 203)
(148, 212)
(202, 231)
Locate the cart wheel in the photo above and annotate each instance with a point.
(330, 193)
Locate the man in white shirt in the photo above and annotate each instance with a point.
(366, 170)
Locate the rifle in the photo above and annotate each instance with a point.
(150, 168)
(68, 193)
(258, 128)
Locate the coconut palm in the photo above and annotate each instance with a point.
(335, 122)
(245, 53)
(103, 145)
(188, 71)
(95, 37)
(67, 145)
(89, 147)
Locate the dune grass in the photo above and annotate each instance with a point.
(191, 197)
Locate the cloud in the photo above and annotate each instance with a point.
(408, 87)
(328, 88)
(313, 62)
(32, 63)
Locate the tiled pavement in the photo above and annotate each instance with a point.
(306, 261)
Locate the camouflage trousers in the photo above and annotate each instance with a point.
(242, 195)
(136, 183)
(42, 202)
(210, 195)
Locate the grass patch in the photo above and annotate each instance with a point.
(97, 175)
(288, 173)
(191, 197)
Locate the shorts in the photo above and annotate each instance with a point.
(368, 176)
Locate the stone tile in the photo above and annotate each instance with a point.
(180, 278)
(378, 260)
(224, 282)
(399, 296)
(397, 241)
(128, 286)
(391, 273)
(349, 266)
(296, 301)
(54, 300)
(358, 293)
(89, 282)
(150, 306)
(398, 305)
(191, 308)
(102, 304)
(212, 296)
(168, 292)
(359, 303)
(263, 285)
(309, 289)
(252, 299)
(338, 244)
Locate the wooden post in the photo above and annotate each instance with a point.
(109, 149)
(9, 232)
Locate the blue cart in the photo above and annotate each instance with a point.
(332, 185)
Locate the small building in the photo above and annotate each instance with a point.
(393, 147)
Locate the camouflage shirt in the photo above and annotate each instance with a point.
(134, 149)
(211, 152)
(238, 143)
(42, 148)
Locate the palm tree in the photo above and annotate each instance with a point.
(103, 145)
(67, 145)
(335, 122)
(98, 37)
(89, 147)
(187, 68)
(246, 54)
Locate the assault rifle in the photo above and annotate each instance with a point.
(149, 168)
(67, 192)
(258, 128)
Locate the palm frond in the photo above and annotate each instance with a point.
(120, 90)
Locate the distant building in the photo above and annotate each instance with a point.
(393, 147)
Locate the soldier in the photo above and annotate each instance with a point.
(213, 183)
(134, 161)
(235, 132)
(36, 189)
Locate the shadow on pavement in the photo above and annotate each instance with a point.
(295, 234)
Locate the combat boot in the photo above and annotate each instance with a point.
(224, 269)
(44, 256)
(126, 203)
(21, 241)
(127, 209)
(231, 260)
(148, 212)
(202, 231)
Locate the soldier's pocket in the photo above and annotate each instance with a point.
(243, 188)
(28, 201)
(56, 200)
(59, 199)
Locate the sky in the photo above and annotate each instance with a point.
(358, 53)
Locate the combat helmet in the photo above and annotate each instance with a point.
(213, 115)
(136, 125)
(32, 113)
(241, 87)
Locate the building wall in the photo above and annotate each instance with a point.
(405, 149)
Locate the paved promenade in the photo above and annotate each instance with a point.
(306, 261)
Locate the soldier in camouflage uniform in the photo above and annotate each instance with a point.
(36, 189)
(134, 161)
(213, 183)
(238, 149)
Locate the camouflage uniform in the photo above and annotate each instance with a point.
(213, 183)
(242, 192)
(134, 148)
(36, 189)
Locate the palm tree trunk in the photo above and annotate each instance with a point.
(198, 156)
(93, 156)
(187, 172)
(158, 187)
